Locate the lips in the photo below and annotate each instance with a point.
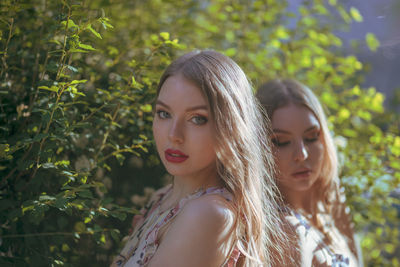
(303, 173)
(175, 156)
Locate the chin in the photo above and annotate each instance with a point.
(299, 186)
(177, 170)
(305, 186)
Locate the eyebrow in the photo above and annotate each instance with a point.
(159, 102)
(277, 130)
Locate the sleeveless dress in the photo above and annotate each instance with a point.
(143, 243)
(311, 239)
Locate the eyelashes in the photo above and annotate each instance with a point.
(196, 119)
(199, 120)
(310, 139)
(279, 144)
(163, 114)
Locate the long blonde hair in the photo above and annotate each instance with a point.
(244, 158)
(282, 92)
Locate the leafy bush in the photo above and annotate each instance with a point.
(77, 82)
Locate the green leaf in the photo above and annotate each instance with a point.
(77, 50)
(103, 239)
(165, 35)
(95, 33)
(72, 68)
(46, 198)
(105, 22)
(135, 84)
(146, 108)
(372, 42)
(230, 52)
(39, 137)
(377, 102)
(48, 165)
(78, 81)
(121, 216)
(115, 234)
(86, 46)
(64, 248)
(61, 203)
(282, 33)
(52, 88)
(71, 24)
(4, 149)
(85, 194)
(355, 14)
(395, 148)
(343, 114)
(80, 227)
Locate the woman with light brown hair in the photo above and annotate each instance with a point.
(307, 177)
(221, 208)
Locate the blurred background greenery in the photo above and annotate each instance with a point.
(77, 81)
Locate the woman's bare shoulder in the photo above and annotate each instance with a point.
(211, 210)
(197, 233)
(213, 206)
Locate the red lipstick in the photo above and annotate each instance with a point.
(175, 156)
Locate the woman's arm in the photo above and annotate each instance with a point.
(198, 236)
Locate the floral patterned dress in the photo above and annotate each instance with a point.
(311, 239)
(143, 242)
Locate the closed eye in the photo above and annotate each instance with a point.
(312, 137)
(277, 143)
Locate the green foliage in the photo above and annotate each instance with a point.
(77, 82)
(372, 42)
(72, 105)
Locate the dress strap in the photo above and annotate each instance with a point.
(201, 192)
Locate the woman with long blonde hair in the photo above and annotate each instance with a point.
(221, 208)
(307, 176)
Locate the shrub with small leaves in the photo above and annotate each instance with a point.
(77, 83)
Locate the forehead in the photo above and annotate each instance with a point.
(177, 88)
(294, 118)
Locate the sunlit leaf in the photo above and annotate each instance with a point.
(372, 42)
(355, 14)
(95, 33)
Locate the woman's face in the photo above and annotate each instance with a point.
(183, 129)
(298, 148)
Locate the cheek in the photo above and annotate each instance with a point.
(205, 141)
(157, 132)
(281, 157)
(317, 152)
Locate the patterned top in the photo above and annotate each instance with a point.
(312, 240)
(143, 243)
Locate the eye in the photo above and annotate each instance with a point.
(162, 114)
(199, 120)
(278, 143)
(312, 137)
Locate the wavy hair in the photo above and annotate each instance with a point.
(244, 158)
(282, 92)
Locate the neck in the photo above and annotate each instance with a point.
(186, 185)
(299, 200)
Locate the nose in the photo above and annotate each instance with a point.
(300, 153)
(176, 132)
